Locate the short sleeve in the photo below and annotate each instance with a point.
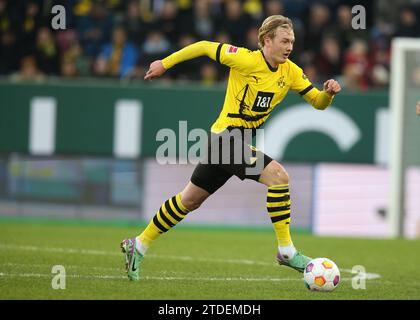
(301, 83)
(237, 58)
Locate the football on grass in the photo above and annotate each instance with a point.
(321, 274)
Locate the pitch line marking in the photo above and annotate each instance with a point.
(267, 278)
(368, 275)
(164, 278)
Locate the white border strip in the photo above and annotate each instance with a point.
(127, 128)
(42, 125)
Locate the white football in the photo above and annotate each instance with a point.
(321, 274)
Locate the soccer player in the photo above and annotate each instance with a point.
(258, 81)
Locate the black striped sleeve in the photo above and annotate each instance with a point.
(306, 90)
(219, 48)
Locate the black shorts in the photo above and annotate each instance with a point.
(229, 153)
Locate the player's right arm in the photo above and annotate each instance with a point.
(156, 69)
(238, 58)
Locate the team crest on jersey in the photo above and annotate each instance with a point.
(281, 83)
(231, 49)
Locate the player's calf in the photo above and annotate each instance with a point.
(278, 206)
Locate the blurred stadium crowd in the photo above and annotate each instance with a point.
(119, 38)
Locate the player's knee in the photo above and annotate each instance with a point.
(192, 196)
(278, 175)
(192, 204)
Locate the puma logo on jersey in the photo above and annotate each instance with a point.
(231, 49)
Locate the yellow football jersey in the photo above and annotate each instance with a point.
(254, 87)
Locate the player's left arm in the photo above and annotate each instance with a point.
(322, 99)
(319, 99)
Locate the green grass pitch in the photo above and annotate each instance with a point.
(193, 263)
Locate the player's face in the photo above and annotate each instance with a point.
(281, 45)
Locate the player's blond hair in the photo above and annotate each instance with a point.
(270, 25)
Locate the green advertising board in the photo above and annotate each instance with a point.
(84, 120)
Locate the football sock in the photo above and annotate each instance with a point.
(278, 207)
(287, 252)
(169, 214)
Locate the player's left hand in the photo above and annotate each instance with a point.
(332, 87)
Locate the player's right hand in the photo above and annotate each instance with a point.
(156, 69)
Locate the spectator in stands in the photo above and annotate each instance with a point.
(273, 7)
(343, 27)
(251, 38)
(408, 24)
(155, 45)
(311, 71)
(65, 38)
(94, 29)
(118, 58)
(203, 23)
(387, 11)
(9, 59)
(254, 8)
(5, 19)
(134, 25)
(208, 73)
(155, 27)
(295, 9)
(356, 66)
(68, 69)
(190, 70)
(316, 26)
(74, 63)
(28, 71)
(329, 61)
(234, 21)
(380, 70)
(46, 52)
(167, 21)
(29, 25)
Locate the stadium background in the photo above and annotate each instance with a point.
(64, 95)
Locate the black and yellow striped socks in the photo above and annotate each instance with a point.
(169, 214)
(278, 206)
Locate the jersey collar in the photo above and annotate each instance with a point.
(272, 69)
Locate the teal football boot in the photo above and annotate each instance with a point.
(298, 262)
(132, 258)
